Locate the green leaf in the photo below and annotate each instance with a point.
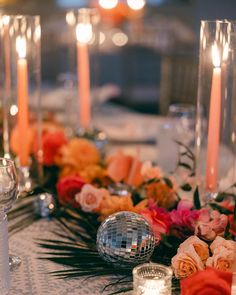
(168, 182)
(196, 199)
(186, 187)
(222, 210)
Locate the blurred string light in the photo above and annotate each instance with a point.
(136, 4)
(133, 4)
(102, 38)
(119, 38)
(108, 4)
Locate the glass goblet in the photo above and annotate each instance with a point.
(8, 195)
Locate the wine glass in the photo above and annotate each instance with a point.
(8, 194)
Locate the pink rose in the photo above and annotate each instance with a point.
(222, 259)
(186, 263)
(200, 247)
(211, 224)
(90, 198)
(221, 242)
(150, 172)
(68, 187)
(158, 219)
(184, 219)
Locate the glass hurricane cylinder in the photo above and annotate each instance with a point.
(21, 37)
(152, 279)
(216, 107)
(83, 42)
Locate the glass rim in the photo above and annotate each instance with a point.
(210, 21)
(21, 16)
(168, 271)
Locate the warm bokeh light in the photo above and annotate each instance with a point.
(226, 51)
(70, 18)
(108, 4)
(215, 56)
(136, 4)
(21, 46)
(120, 39)
(84, 33)
(102, 38)
(13, 110)
(6, 20)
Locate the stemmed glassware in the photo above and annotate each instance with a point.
(8, 195)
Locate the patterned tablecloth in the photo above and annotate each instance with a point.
(33, 278)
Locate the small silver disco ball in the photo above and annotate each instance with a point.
(125, 239)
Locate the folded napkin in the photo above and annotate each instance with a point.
(208, 282)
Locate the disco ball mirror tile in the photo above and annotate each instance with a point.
(125, 239)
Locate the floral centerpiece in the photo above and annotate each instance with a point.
(188, 236)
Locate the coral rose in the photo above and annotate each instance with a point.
(51, 143)
(162, 194)
(158, 219)
(90, 198)
(186, 263)
(68, 187)
(200, 247)
(207, 282)
(222, 259)
(125, 168)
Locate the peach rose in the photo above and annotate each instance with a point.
(114, 204)
(90, 198)
(221, 242)
(223, 259)
(150, 172)
(200, 247)
(186, 263)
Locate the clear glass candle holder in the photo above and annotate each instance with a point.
(83, 43)
(21, 68)
(152, 279)
(216, 108)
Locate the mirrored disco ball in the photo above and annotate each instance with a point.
(125, 239)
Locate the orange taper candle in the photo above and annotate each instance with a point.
(214, 125)
(22, 96)
(84, 35)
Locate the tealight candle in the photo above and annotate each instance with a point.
(152, 279)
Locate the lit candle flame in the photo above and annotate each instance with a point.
(215, 56)
(21, 46)
(84, 33)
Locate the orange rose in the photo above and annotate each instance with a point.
(77, 155)
(113, 204)
(207, 282)
(162, 194)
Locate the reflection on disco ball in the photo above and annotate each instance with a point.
(125, 239)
